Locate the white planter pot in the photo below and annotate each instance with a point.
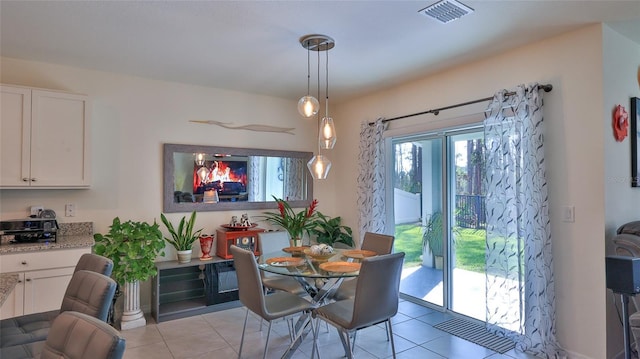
(184, 256)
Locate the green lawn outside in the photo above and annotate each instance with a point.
(470, 246)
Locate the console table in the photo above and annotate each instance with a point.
(185, 289)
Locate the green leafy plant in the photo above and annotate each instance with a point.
(294, 223)
(183, 237)
(330, 230)
(433, 234)
(133, 248)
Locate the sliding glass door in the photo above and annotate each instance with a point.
(438, 205)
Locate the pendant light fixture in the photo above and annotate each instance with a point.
(308, 105)
(320, 165)
(327, 135)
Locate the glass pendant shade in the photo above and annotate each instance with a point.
(203, 173)
(200, 159)
(327, 133)
(308, 106)
(319, 167)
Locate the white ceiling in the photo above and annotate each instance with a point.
(253, 46)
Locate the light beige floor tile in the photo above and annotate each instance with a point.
(155, 351)
(184, 327)
(142, 336)
(187, 346)
(374, 341)
(222, 353)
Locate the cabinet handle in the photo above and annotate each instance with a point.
(33, 179)
(19, 281)
(28, 279)
(23, 263)
(25, 179)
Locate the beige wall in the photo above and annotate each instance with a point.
(575, 159)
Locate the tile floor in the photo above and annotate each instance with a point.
(217, 335)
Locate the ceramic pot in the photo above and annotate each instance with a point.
(184, 256)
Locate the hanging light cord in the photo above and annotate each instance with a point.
(318, 117)
(327, 83)
(308, 72)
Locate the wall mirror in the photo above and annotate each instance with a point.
(211, 178)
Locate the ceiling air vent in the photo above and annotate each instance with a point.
(446, 10)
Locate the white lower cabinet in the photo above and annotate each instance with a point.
(42, 285)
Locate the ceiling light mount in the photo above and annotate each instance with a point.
(317, 42)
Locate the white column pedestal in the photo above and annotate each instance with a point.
(132, 317)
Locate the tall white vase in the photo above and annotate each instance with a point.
(132, 317)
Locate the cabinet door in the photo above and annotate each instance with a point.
(59, 140)
(15, 136)
(44, 289)
(13, 306)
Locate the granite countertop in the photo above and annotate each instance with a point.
(70, 235)
(8, 282)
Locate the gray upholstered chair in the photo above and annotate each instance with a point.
(271, 307)
(379, 243)
(88, 292)
(95, 263)
(375, 301)
(75, 335)
(271, 242)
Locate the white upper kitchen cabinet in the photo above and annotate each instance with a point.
(44, 139)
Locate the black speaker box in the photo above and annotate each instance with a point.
(623, 274)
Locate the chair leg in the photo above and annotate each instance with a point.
(244, 327)
(353, 345)
(393, 347)
(386, 327)
(349, 347)
(266, 345)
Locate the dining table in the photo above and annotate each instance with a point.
(319, 275)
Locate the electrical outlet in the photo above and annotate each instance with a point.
(35, 210)
(69, 210)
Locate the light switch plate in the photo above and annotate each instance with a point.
(568, 214)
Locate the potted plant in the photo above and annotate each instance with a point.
(183, 237)
(296, 224)
(133, 248)
(330, 231)
(433, 237)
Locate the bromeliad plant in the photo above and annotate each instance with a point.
(183, 237)
(296, 224)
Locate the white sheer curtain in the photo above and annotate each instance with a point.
(371, 174)
(519, 264)
(294, 169)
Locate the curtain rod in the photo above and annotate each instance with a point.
(546, 88)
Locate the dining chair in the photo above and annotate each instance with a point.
(88, 292)
(76, 335)
(376, 242)
(269, 242)
(94, 263)
(268, 307)
(375, 301)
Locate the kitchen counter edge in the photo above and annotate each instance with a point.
(63, 242)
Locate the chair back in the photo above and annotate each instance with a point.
(379, 243)
(249, 283)
(95, 263)
(377, 290)
(90, 293)
(269, 242)
(75, 335)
